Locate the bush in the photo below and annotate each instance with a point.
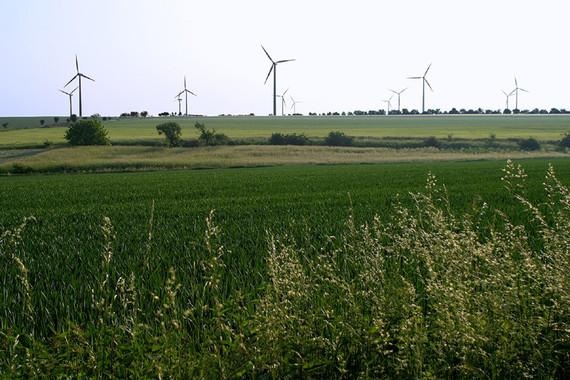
(565, 142)
(337, 138)
(87, 132)
(432, 142)
(288, 139)
(171, 131)
(210, 137)
(529, 144)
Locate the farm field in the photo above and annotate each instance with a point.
(541, 127)
(217, 292)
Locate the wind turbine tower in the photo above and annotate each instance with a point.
(79, 75)
(70, 94)
(424, 82)
(274, 69)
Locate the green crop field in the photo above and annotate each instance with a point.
(550, 127)
(149, 296)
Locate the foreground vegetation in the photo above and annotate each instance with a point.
(291, 276)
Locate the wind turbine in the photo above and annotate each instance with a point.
(507, 96)
(70, 94)
(293, 104)
(283, 102)
(516, 91)
(424, 82)
(185, 92)
(79, 75)
(399, 93)
(179, 99)
(274, 69)
(388, 104)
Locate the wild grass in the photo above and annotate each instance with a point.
(421, 290)
(117, 158)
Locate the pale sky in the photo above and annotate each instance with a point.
(348, 53)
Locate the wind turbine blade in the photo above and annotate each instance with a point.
(402, 91)
(185, 82)
(522, 89)
(394, 91)
(268, 56)
(71, 80)
(428, 84)
(192, 93)
(283, 95)
(86, 77)
(75, 89)
(286, 60)
(503, 91)
(415, 78)
(76, 63)
(512, 92)
(427, 70)
(516, 83)
(269, 73)
(65, 92)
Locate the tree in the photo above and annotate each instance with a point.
(144, 113)
(87, 132)
(42, 122)
(73, 118)
(171, 131)
(210, 137)
(5, 125)
(56, 119)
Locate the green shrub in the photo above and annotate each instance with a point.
(338, 138)
(171, 131)
(288, 139)
(432, 142)
(529, 144)
(565, 142)
(87, 132)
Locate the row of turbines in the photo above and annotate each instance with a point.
(273, 69)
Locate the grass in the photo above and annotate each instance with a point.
(541, 127)
(106, 158)
(131, 275)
